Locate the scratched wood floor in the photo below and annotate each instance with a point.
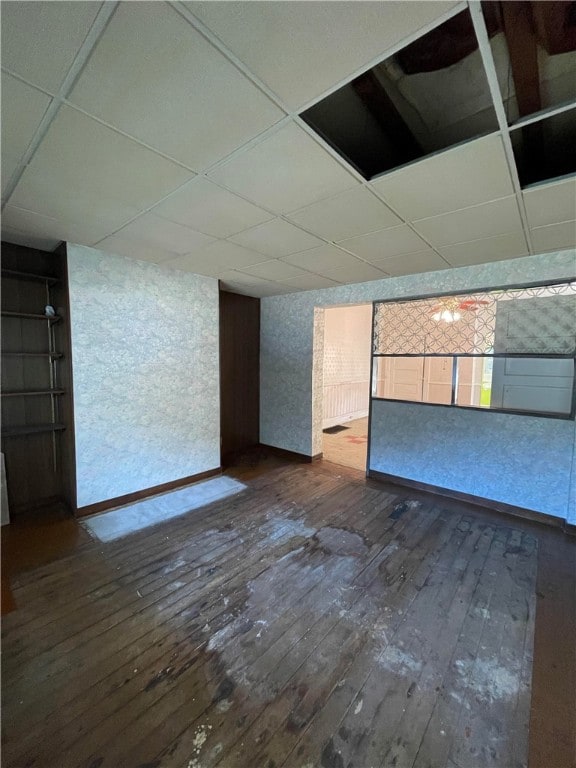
(313, 621)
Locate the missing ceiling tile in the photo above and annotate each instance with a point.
(427, 97)
(534, 51)
(545, 149)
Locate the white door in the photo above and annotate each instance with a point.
(544, 324)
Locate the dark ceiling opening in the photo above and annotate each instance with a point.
(434, 94)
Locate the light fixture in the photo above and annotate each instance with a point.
(449, 310)
(448, 315)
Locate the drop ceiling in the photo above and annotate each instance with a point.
(171, 133)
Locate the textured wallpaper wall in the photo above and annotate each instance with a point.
(146, 375)
(520, 460)
(291, 386)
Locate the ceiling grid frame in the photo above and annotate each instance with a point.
(490, 70)
(97, 29)
(291, 116)
(522, 122)
(106, 13)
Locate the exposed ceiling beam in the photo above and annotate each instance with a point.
(523, 52)
(370, 91)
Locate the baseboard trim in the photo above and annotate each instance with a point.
(335, 421)
(130, 498)
(303, 458)
(496, 506)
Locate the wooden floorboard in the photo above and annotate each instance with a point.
(314, 620)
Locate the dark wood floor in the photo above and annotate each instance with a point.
(316, 620)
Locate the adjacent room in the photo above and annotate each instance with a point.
(288, 464)
(347, 340)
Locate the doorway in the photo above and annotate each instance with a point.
(346, 384)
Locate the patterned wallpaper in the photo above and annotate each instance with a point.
(291, 386)
(146, 376)
(520, 460)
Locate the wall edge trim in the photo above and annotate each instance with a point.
(130, 498)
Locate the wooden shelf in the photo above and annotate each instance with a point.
(30, 276)
(31, 316)
(32, 392)
(53, 355)
(31, 429)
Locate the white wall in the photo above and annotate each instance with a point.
(346, 369)
(146, 374)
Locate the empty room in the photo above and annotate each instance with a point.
(288, 463)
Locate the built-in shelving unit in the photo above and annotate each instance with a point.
(37, 438)
(31, 429)
(55, 355)
(32, 316)
(50, 279)
(32, 392)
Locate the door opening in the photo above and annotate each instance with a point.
(346, 384)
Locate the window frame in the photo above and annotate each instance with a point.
(571, 416)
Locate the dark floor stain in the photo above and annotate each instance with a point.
(96, 763)
(225, 689)
(158, 678)
(399, 510)
(153, 764)
(344, 733)
(173, 748)
(330, 757)
(513, 551)
(411, 690)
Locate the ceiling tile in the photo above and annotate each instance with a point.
(7, 167)
(154, 77)
(551, 203)
(385, 242)
(310, 282)
(275, 270)
(412, 263)
(208, 208)
(83, 170)
(22, 110)
(351, 213)
(132, 249)
(46, 227)
(356, 273)
(41, 39)
(31, 241)
(488, 249)
(276, 238)
(217, 258)
(472, 173)
(322, 258)
(496, 218)
(153, 231)
(301, 50)
(554, 237)
(285, 171)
